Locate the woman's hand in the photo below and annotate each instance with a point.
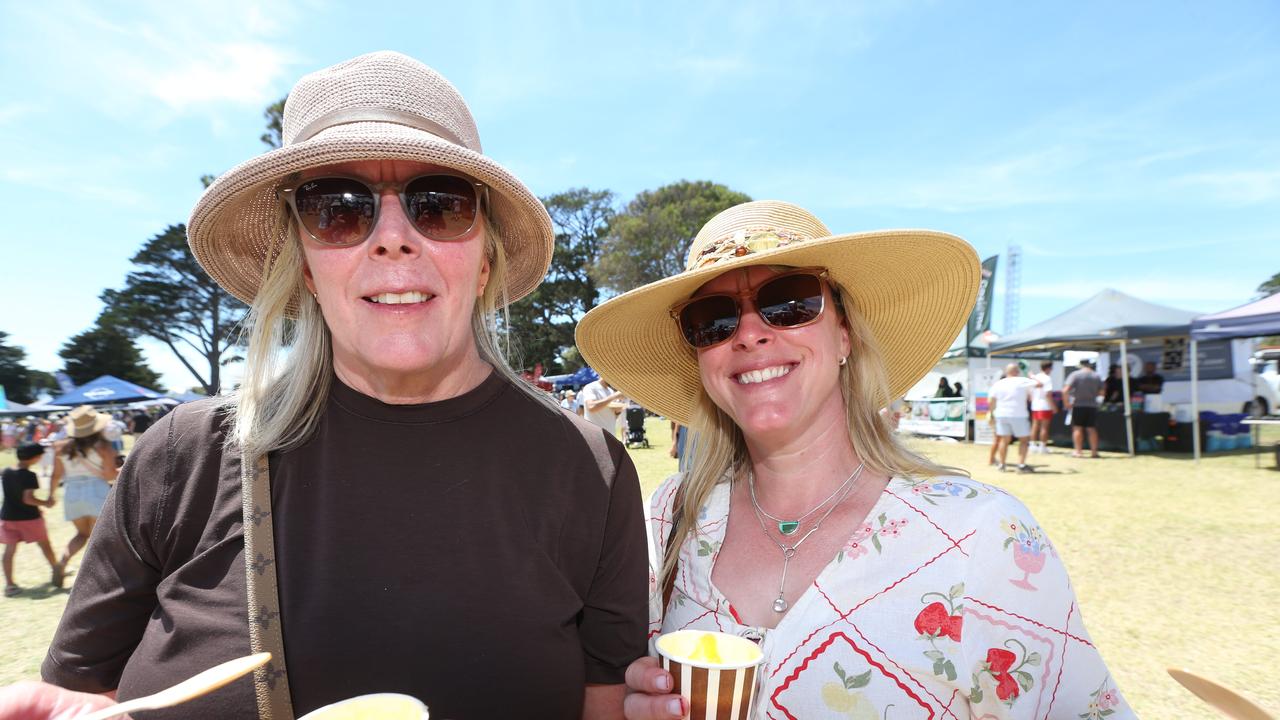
(29, 700)
(649, 695)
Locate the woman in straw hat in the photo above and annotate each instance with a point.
(383, 505)
(877, 583)
(84, 464)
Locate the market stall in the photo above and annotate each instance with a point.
(1108, 321)
(1254, 319)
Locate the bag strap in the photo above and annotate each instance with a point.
(669, 584)
(270, 682)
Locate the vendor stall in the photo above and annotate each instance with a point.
(1107, 321)
(1255, 319)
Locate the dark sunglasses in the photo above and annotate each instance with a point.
(342, 211)
(787, 300)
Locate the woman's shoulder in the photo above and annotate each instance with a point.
(955, 495)
(664, 496)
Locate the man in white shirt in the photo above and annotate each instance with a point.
(1009, 397)
(1042, 409)
(597, 399)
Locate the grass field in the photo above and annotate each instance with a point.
(1175, 565)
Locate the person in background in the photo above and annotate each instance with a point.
(139, 422)
(1042, 408)
(20, 518)
(85, 465)
(569, 400)
(1150, 382)
(114, 432)
(1113, 387)
(959, 388)
(944, 389)
(598, 403)
(1080, 398)
(1009, 397)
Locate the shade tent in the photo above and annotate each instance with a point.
(1253, 320)
(105, 390)
(1261, 317)
(1104, 321)
(1098, 323)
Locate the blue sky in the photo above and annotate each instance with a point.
(1125, 145)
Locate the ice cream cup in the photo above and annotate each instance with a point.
(378, 706)
(715, 671)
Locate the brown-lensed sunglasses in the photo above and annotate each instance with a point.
(787, 300)
(341, 211)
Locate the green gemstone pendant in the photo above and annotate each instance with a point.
(788, 527)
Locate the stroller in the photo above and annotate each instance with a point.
(635, 427)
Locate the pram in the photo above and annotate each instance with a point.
(635, 427)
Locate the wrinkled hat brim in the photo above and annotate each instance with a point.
(914, 288)
(236, 225)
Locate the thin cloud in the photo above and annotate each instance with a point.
(1244, 187)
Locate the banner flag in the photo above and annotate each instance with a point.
(980, 318)
(64, 382)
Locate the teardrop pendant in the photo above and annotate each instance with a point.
(780, 605)
(788, 527)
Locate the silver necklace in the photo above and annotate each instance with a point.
(789, 527)
(788, 552)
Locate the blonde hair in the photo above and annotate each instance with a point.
(721, 449)
(289, 362)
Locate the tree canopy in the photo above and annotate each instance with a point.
(172, 299)
(106, 350)
(649, 240)
(15, 377)
(542, 323)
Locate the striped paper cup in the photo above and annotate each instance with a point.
(715, 671)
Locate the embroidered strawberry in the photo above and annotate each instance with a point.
(953, 626)
(999, 661)
(1006, 687)
(932, 619)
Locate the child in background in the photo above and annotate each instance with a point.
(20, 519)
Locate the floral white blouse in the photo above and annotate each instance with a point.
(948, 602)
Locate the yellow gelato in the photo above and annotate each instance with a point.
(699, 647)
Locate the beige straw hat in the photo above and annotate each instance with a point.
(383, 105)
(85, 421)
(915, 288)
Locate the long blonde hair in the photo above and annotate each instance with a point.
(721, 449)
(289, 362)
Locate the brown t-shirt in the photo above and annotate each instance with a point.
(466, 552)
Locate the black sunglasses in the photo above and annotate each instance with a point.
(342, 211)
(787, 300)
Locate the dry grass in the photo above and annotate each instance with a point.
(1175, 565)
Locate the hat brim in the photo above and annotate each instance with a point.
(914, 288)
(235, 226)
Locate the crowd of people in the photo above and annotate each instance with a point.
(385, 505)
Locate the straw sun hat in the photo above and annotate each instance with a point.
(85, 421)
(915, 289)
(383, 105)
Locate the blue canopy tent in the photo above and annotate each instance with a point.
(1258, 318)
(105, 390)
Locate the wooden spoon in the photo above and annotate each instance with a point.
(189, 689)
(1223, 699)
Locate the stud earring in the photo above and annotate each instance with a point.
(844, 361)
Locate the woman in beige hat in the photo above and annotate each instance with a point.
(877, 583)
(84, 464)
(383, 505)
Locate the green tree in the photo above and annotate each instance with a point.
(15, 377)
(274, 114)
(650, 239)
(1270, 287)
(172, 299)
(542, 323)
(106, 350)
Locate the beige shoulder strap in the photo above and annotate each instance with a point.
(270, 682)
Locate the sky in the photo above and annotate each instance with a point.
(1132, 146)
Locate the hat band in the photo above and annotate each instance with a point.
(347, 116)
